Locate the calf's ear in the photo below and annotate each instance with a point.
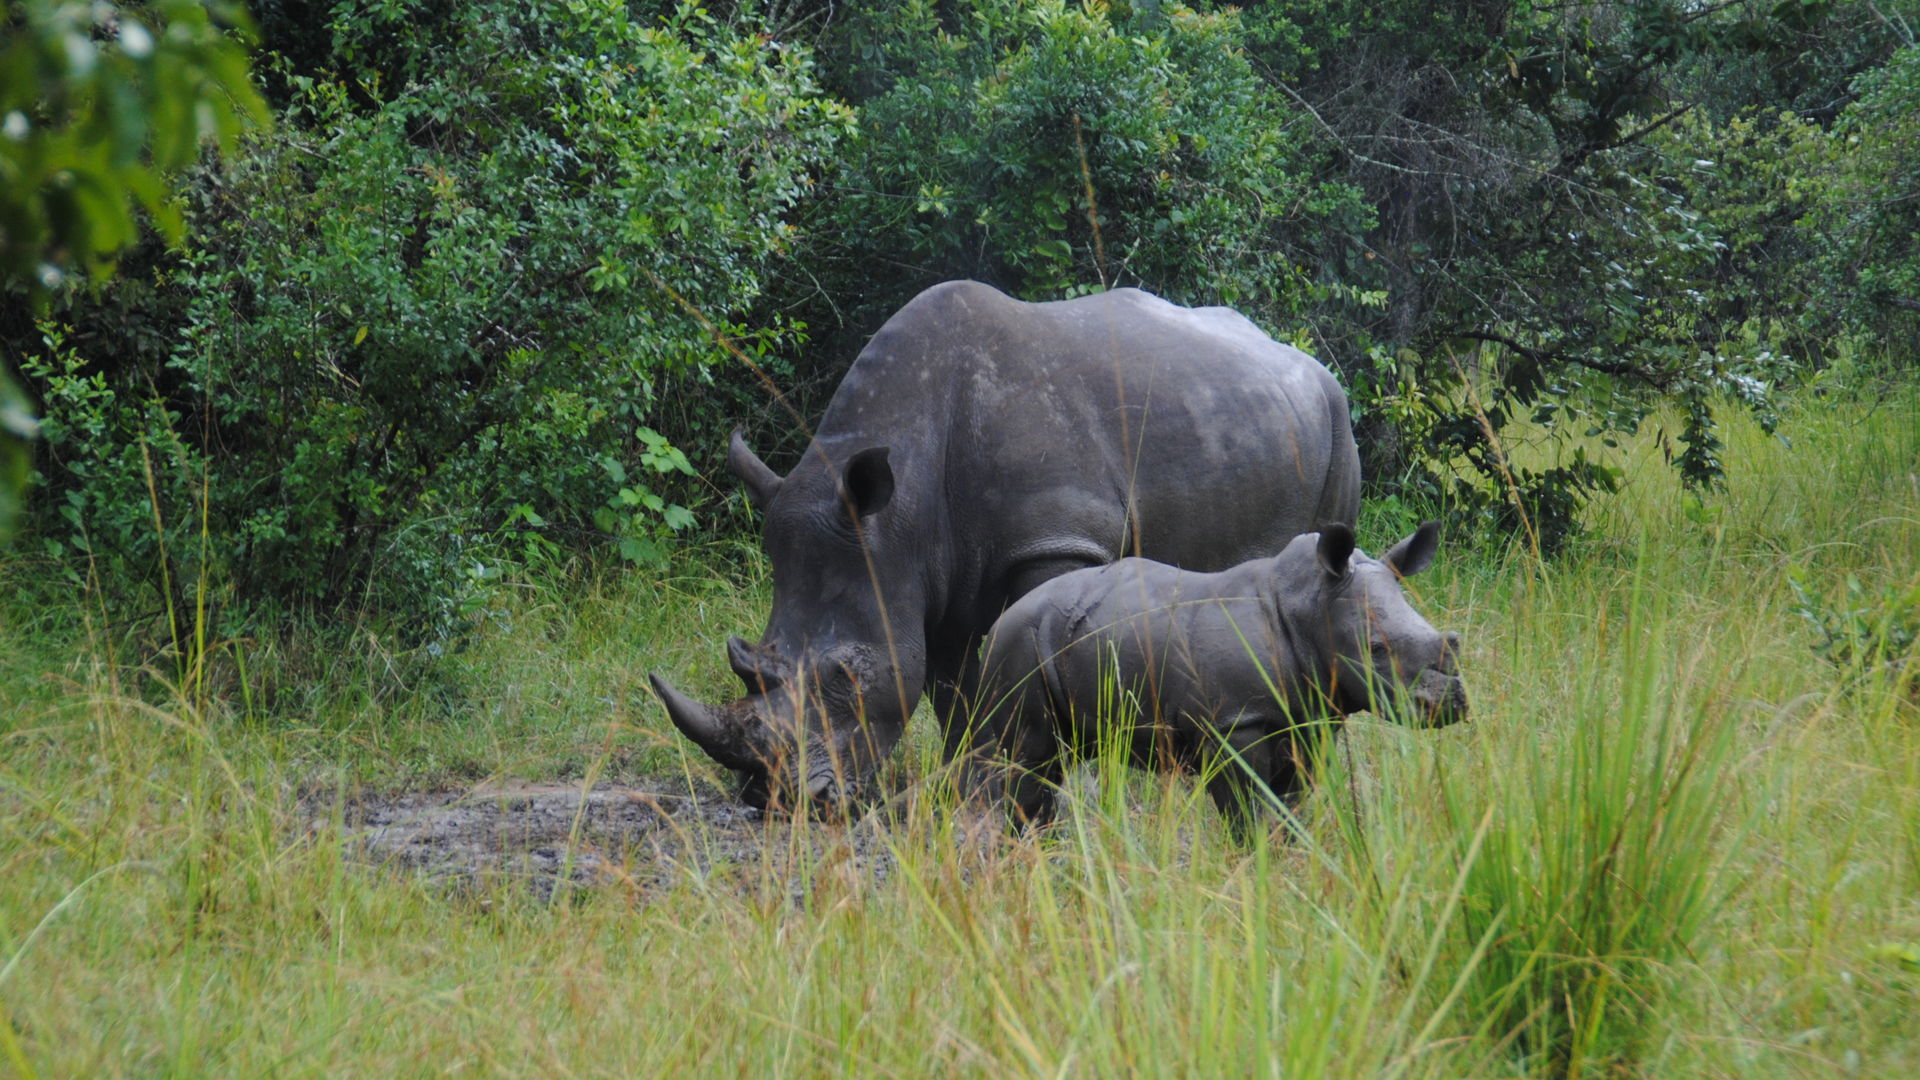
(867, 484)
(1334, 550)
(1415, 553)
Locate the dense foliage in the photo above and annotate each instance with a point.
(1051, 148)
(443, 300)
(1558, 239)
(1869, 215)
(485, 292)
(98, 103)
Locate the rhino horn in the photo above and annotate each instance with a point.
(701, 723)
(761, 481)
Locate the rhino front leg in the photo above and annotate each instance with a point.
(1009, 757)
(1004, 739)
(1018, 771)
(1255, 770)
(954, 691)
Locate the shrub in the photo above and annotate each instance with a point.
(995, 133)
(101, 104)
(1868, 220)
(1550, 247)
(441, 309)
(99, 107)
(1867, 634)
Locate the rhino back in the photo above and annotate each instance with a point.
(1105, 425)
(1192, 648)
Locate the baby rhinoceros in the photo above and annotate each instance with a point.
(1229, 669)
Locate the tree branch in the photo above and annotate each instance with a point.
(1545, 356)
(1645, 130)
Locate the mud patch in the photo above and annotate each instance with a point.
(642, 838)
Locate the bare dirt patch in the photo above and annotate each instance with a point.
(646, 836)
(642, 837)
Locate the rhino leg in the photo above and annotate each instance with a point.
(1030, 800)
(954, 691)
(1245, 766)
(1272, 766)
(1021, 778)
(1002, 733)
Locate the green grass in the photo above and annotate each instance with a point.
(1674, 841)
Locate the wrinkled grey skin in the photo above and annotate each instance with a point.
(1237, 663)
(979, 446)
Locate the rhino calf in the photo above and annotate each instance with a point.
(1229, 669)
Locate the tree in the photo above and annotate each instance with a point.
(440, 316)
(1868, 224)
(1536, 240)
(1050, 148)
(99, 106)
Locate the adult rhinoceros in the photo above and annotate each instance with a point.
(979, 446)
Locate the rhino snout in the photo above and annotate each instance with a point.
(825, 794)
(1441, 694)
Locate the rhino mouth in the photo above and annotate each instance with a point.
(1441, 698)
(825, 798)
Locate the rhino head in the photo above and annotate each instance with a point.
(1386, 658)
(841, 665)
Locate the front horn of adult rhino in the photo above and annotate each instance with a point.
(719, 731)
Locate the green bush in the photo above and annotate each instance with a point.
(17, 429)
(432, 321)
(118, 458)
(99, 104)
(1868, 219)
(995, 133)
(1866, 634)
(1564, 240)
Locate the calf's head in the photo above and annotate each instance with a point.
(841, 664)
(1385, 658)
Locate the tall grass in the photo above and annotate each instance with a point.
(1673, 841)
(1601, 862)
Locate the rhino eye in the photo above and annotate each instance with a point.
(842, 675)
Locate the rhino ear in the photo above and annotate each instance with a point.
(868, 483)
(1335, 550)
(762, 482)
(759, 669)
(1415, 553)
